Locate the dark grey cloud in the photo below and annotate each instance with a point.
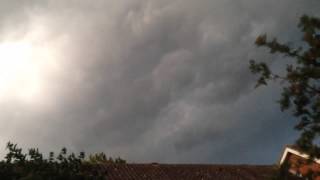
(163, 81)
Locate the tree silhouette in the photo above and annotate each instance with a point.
(300, 82)
(63, 166)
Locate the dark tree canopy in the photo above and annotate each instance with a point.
(63, 166)
(300, 82)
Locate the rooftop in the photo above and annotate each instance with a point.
(186, 172)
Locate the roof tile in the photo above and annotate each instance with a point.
(186, 172)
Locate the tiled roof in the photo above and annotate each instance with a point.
(186, 172)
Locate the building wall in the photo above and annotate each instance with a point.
(301, 166)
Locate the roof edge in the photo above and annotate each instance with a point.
(290, 149)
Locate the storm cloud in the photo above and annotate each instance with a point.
(150, 80)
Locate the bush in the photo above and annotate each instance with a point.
(63, 166)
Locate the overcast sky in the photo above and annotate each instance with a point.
(148, 80)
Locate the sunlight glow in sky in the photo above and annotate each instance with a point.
(21, 70)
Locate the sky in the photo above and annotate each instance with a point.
(147, 80)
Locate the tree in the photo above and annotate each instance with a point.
(101, 158)
(300, 82)
(33, 165)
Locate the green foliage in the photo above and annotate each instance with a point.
(63, 166)
(101, 158)
(301, 85)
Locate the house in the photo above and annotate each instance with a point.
(298, 163)
(156, 171)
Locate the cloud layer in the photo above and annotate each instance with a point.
(149, 80)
